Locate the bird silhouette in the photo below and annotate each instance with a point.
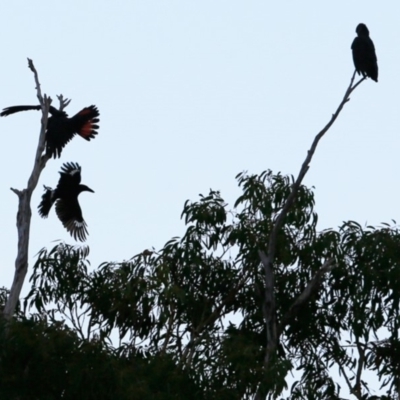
(60, 128)
(364, 56)
(65, 195)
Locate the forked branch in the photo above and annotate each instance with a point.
(267, 259)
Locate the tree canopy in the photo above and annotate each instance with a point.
(186, 321)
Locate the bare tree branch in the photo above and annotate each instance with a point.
(63, 102)
(346, 378)
(36, 77)
(309, 291)
(269, 306)
(24, 209)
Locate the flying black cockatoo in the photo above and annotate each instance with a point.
(60, 128)
(364, 56)
(65, 195)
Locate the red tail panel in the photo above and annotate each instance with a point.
(87, 130)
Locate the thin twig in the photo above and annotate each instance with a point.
(63, 102)
(342, 370)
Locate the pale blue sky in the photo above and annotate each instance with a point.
(191, 93)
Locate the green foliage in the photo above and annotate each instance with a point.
(49, 361)
(187, 321)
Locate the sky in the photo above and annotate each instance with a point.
(190, 94)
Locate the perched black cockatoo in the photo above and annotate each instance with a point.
(364, 56)
(65, 195)
(61, 129)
